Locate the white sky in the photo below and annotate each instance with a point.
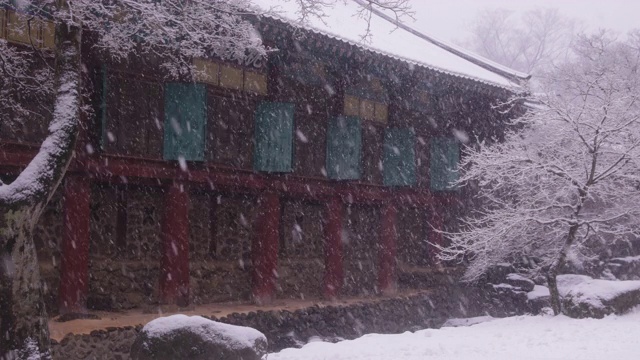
(450, 19)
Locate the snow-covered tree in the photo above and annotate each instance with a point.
(531, 42)
(174, 31)
(568, 173)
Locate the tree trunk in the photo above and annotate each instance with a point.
(24, 332)
(556, 303)
(23, 317)
(552, 272)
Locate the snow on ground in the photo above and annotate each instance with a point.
(467, 321)
(521, 337)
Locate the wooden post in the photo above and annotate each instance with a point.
(334, 271)
(388, 249)
(264, 248)
(74, 263)
(174, 269)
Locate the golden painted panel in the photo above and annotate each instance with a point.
(351, 105)
(423, 96)
(367, 109)
(48, 34)
(382, 113)
(231, 77)
(18, 28)
(206, 71)
(255, 82)
(376, 85)
(3, 15)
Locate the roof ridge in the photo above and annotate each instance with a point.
(483, 62)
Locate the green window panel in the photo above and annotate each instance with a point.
(399, 161)
(445, 154)
(185, 117)
(344, 148)
(274, 137)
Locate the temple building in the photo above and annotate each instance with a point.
(322, 171)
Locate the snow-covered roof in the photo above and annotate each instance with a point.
(399, 41)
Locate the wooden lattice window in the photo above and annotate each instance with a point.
(344, 148)
(185, 114)
(274, 137)
(399, 157)
(444, 156)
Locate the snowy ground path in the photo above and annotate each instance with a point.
(521, 337)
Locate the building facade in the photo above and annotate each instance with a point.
(322, 171)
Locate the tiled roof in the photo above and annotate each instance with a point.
(402, 43)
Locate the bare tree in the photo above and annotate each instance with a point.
(568, 177)
(531, 42)
(175, 31)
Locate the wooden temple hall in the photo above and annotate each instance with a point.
(320, 172)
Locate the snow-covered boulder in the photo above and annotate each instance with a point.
(538, 299)
(502, 300)
(520, 281)
(625, 268)
(583, 296)
(196, 338)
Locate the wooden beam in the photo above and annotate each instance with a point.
(122, 170)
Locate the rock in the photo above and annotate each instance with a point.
(503, 300)
(584, 297)
(498, 273)
(538, 299)
(196, 338)
(520, 281)
(625, 268)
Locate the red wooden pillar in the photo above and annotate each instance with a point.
(264, 248)
(174, 269)
(334, 272)
(388, 249)
(74, 262)
(435, 225)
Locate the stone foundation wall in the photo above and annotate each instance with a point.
(292, 329)
(124, 271)
(360, 251)
(413, 247)
(301, 253)
(125, 248)
(220, 247)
